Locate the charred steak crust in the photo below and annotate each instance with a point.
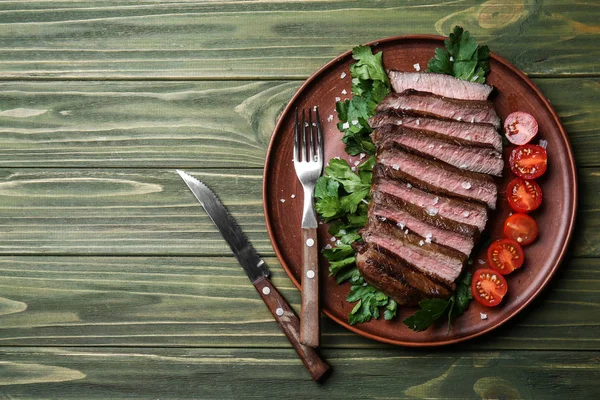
(385, 199)
(395, 278)
(436, 180)
(443, 85)
(383, 208)
(474, 134)
(458, 210)
(385, 278)
(440, 263)
(437, 147)
(441, 107)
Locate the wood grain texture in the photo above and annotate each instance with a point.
(205, 39)
(310, 312)
(209, 302)
(233, 373)
(147, 211)
(138, 124)
(193, 124)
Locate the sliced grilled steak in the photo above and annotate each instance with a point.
(443, 85)
(441, 263)
(471, 133)
(396, 279)
(386, 207)
(422, 214)
(476, 159)
(441, 107)
(435, 177)
(457, 210)
(383, 277)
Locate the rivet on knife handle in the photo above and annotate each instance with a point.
(309, 314)
(290, 324)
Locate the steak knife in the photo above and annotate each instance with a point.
(258, 273)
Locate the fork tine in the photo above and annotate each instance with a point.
(310, 145)
(296, 138)
(303, 147)
(319, 138)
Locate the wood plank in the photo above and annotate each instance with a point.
(192, 124)
(146, 211)
(209, 302)
(139, 124)
(164, 39)
(116, 373)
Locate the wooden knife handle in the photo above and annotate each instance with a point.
(309, 314)
(290, 324)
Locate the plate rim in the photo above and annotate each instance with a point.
(572, 172)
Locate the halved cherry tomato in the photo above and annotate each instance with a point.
(520, 127)
(488, 287)
(521, 228)
(505, 255)
(528, 161)
(523, 195)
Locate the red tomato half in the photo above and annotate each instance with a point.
(505, 255)
(523, 195)
(488, 287)
(521, 228)
(528, 161)
(520, 127)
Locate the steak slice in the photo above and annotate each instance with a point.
(441, 107)
(399, 281)
(406, 216)
(443, 85)
(457, 210)
(440, 263)
(471, 133)
(476, 159)
(436, 177)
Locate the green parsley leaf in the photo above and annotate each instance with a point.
(430, 311)
(463, 57)
(369, 301)
(368, 66)
(461, 298)
(370, 84)
(390, 310)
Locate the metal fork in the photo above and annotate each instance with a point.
(308, 162)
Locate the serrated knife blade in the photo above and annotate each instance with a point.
(258, 273)
(232, 233)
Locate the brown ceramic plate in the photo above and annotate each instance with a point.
(514, 91)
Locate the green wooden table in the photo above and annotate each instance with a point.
(114, 283)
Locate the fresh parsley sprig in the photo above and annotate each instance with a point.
(431, 310)
(370, 84)
(463, 58)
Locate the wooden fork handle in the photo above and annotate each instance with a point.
(310, 315)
